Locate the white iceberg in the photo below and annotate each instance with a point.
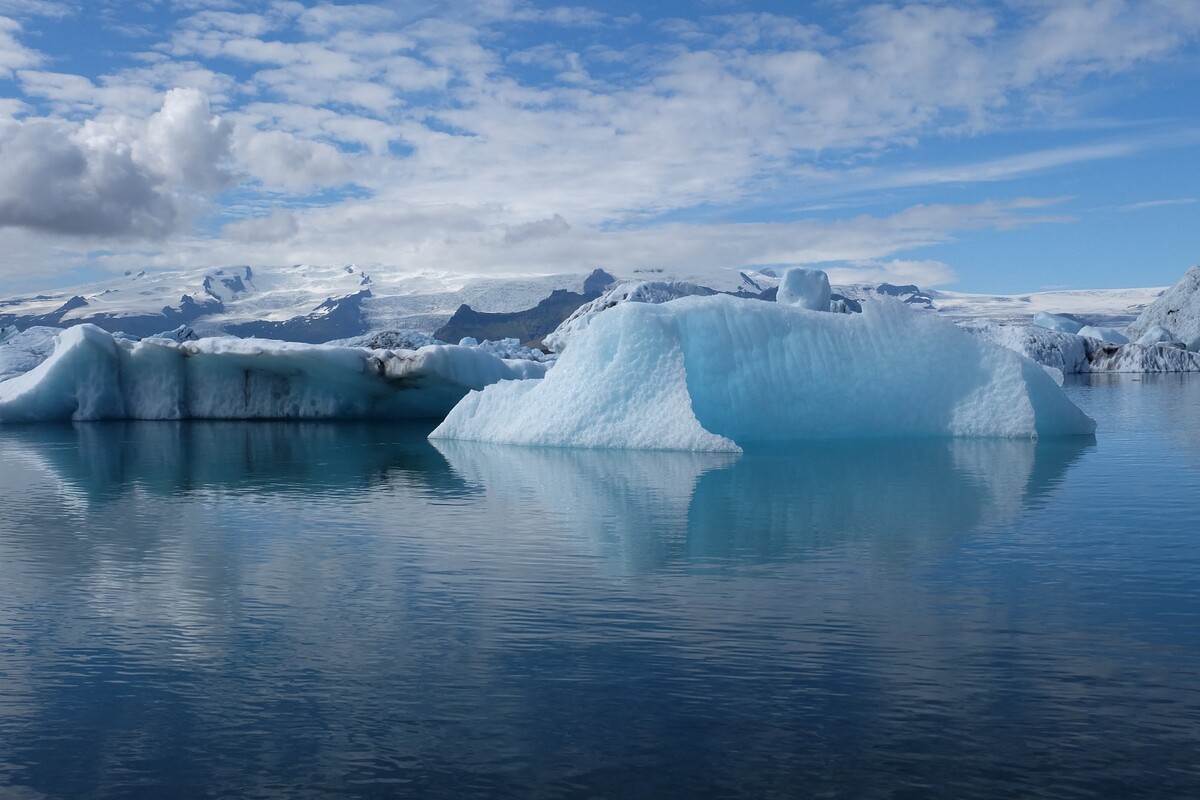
(1055, 322)
(806, 288)
(1177, 309)
(1066, 352)
(720, 373)
(1161, 357)
(1073, 354)
(1157, 334)
(93, 375)
(1103, 334)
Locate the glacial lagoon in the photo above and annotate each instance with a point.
(350, 610)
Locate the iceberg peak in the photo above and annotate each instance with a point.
(806, 288)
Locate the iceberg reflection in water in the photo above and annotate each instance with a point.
(769, 504)
(231, 609)
(101, 461)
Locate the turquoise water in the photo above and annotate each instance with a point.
(292, 610)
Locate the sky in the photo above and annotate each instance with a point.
(1004, 146)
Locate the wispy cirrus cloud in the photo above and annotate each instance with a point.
(1146, 205)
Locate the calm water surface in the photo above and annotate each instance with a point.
(291, 610)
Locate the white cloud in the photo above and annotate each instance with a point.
(1149, 204)
(278, 226)
(486, 148)
(1101, 36)
(64, 89)
(475, 240)
(539, 229)
(248, 25)
(13, 54)
(120, 177)
(186, 143)
(323, 20)
(60, 179)
(1008, 167)
(283, 161)
(925, 273)
(43, 8)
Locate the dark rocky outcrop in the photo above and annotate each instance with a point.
(529, 326)
(910, 293)
(336, 318)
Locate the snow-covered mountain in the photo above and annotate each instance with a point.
(1110, 307)
(318, 303)
(283, 302)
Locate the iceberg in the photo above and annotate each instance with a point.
(1061, 350)
(1177, 310)
(1111, 335)
(1073, 354)
(1159, 357)
(1056, 322)
(1157, 334)
(93, 375)
(723, 373)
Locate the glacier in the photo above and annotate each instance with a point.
(94, 375)
(722, 373)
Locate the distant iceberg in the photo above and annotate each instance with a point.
(1056, 322)
(93, 375)
(1072, 353)
(1177, 310)
(721, 373)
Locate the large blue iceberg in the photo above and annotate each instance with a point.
(721, 373)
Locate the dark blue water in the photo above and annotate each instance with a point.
(229, 610)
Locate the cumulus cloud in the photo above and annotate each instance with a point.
(78, 181)
(118, 177)
(186, 143)
(283, 161)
